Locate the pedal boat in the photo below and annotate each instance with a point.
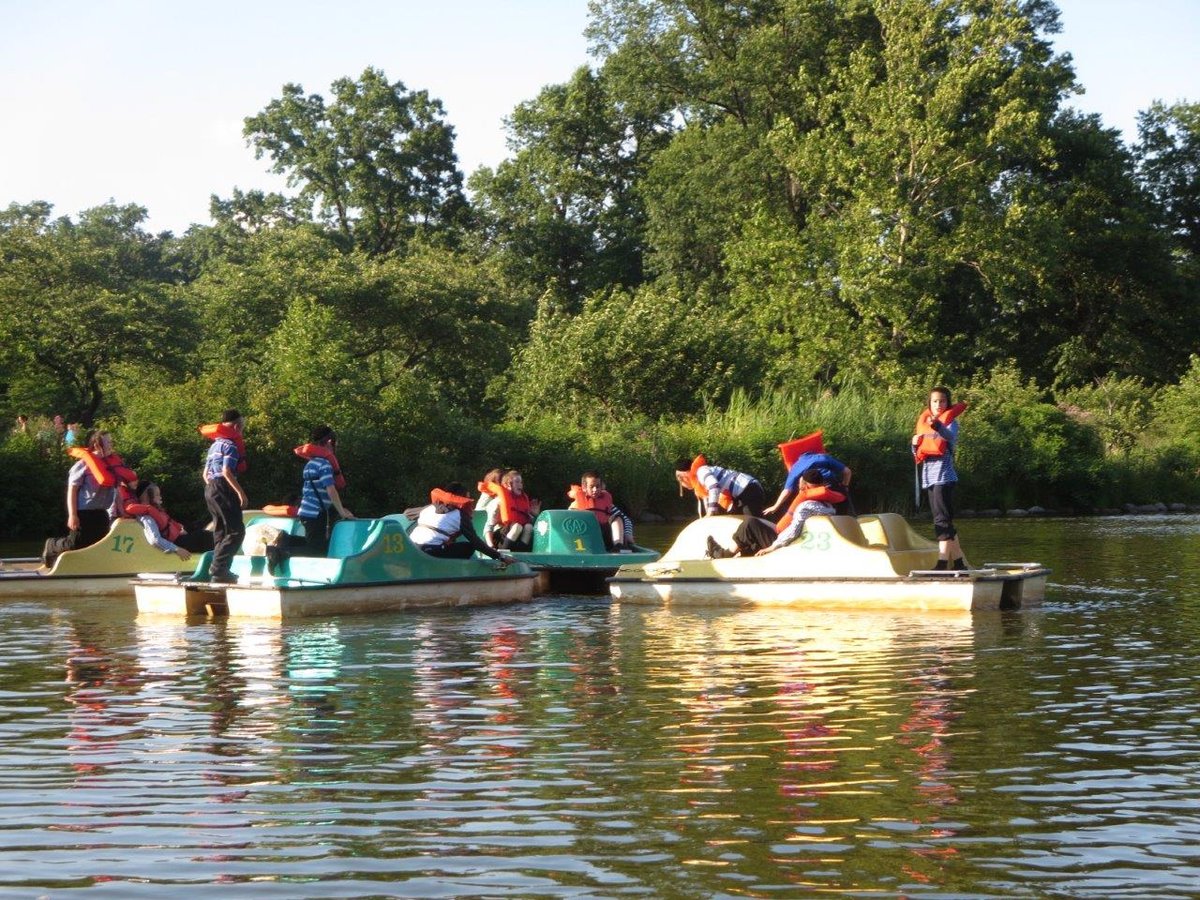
(839, 562)
(371, 567)
(101, 570)
(569, 554)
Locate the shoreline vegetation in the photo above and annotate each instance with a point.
(738, 225)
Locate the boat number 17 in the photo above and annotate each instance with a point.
(122, 543)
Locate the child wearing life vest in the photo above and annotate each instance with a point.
(719, 489)
(758, 537)
(934, 440)
(223, 492)
(450, 513)
(510, 521)
(91, 495)
(160, 529)
(488, 499)
(615, 525)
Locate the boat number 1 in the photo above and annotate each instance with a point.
(579, 545)
(122, 543)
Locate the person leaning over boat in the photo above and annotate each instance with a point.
(837, 476)
(91, 495)
(450, 513)
(758, 537)
(720, 489)
(162, 531)
(223, 493)
(934, 440)
(616, 527)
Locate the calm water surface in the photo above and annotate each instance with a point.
(577, 748)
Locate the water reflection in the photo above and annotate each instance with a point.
(576, 748)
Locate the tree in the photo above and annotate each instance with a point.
(564, 210)
(376, 164)
(77, 299)
(1168, 151)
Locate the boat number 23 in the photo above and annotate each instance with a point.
(815, 541)
(122, 543)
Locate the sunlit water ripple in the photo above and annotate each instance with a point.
(577, 748)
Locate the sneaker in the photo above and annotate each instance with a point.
(715, 550)
(959, 565)
(941, 566)
(274, 558)
(229, 578)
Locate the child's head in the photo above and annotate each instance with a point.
(493, 476)
(513, 481)
(591, 482)
(939, 399)
(813, 477)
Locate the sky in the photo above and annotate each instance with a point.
(142, 101)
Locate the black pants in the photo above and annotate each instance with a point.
(450, 550)
(941, 504)
(198, 541)
(93, 527)
(752, 501)
(226, 511)
(754, 534)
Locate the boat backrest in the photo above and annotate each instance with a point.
(847, 527)
(567, 531)
(350, 537)
(891, 530)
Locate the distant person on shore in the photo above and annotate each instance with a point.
(721, 490)
(22, 426)
(758, 537)
(934, 440)
(223, 493)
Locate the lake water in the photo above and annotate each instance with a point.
(577, 748)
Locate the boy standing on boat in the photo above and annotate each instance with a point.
(319, 497)
(223, 494)
(720, 489)
(933, 442)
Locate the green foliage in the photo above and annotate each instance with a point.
(376, 163)
(1120, 409)
(647, 353)
(39, 508)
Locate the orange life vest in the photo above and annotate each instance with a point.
(108, 471)
(167, 527)
(932, 443)
(824, 494)
(514, 508)
(437, 495)
(794, 449)
(725, 500)
(601, 504)
(315, 451)
(224, 430)
(281, 509)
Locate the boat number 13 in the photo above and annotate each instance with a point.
(122, 543)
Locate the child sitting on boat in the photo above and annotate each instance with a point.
(448, 515)
(758, 537)
(161, 530)
(510, 520)
(615, 525)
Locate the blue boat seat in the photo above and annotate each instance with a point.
(350, 537)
